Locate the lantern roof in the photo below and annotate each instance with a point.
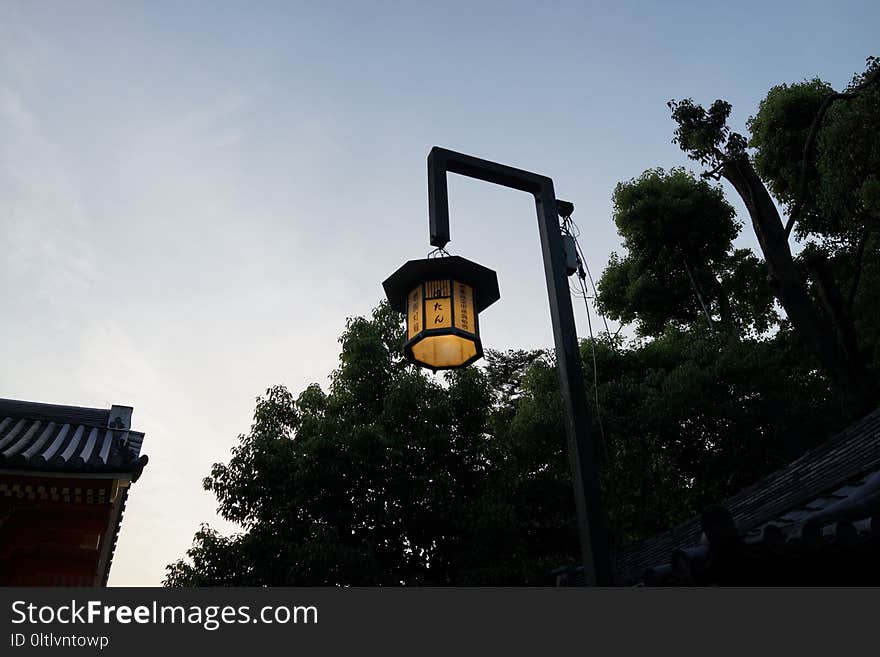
(483, 280)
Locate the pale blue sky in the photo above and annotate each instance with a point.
(194, 196)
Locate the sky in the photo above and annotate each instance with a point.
(194, 196)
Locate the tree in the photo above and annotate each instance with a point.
(395, 477)
(829, 192)
(389, 478)
(680, 265)
(690, 417)
(818, 151)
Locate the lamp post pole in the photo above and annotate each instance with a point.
(581, 450)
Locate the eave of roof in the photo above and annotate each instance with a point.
(851, 454)
(72, 441)
(49, 438)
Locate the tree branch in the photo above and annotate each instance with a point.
(697, 292)
(715, 172)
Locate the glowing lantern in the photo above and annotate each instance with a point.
(442, 298)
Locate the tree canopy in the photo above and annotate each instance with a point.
(396, 477)
(680, 265)
(818, 151)
(390, 478)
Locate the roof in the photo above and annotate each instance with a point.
(69, 439)
(835, 482)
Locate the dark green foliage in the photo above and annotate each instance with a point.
(390, 478)
(818, 152)
(403, 480)
(857, 272)
(215, 560)
(750, 298)
(691, 417)
(673, 214)
(848, 161)
(833, 192)
(778, 133)
(704, 134)
(680, 265)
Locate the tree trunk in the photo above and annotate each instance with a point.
(823, 339)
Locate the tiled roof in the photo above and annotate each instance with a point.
(807, 489)
(53, 438)
(841, 553)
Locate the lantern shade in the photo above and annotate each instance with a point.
(446, 351)
(441, 298)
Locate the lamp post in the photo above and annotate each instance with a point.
(581, 450)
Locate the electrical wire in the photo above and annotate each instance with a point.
(595, 372)
(583, 260)
(567, 226)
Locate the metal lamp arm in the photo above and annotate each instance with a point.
(442, 160)
(581, 450)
